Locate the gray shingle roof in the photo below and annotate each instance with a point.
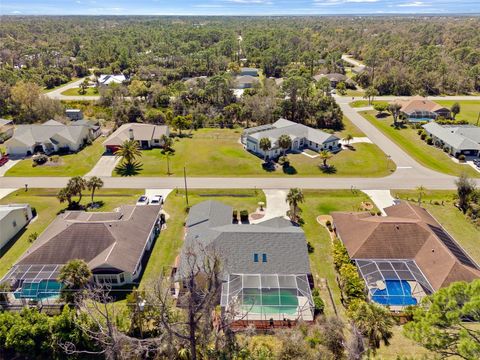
(452, 136)
(235, 244)
(32, 134)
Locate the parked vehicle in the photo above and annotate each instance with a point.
(143, 200)
(156, 200)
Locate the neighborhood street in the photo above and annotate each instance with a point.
(57, 93)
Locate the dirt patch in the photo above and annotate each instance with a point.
(322, 219)
(256, 216)
(366, 206)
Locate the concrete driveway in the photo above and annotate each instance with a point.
(7, 166)
(5, 192)
(276, 204)
(105, 166)
(163, 192)
(381, 198)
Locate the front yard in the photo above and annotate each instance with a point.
(427, 155)
(218, 152)
(90, 91)
(77, 164)
(47, 206)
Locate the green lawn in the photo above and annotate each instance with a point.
(349, 128)
(70, 165)
(364, 103)
(452, 219)
(217, 152)
(47, 205)
(91, 91)
(427, 155)
(45, 90)
(170, 241)
(355, 92)
(469, 109)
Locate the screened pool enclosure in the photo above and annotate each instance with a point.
(267, 297)
(394, 283)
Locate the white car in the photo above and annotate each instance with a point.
(156, 200)
(142, 200)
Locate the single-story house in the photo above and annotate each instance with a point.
(147, 135)
(418, 109)
(302, 137)
(457, 139)
(92, 124)
(268, 261)
(248, 71)
(245, 81)
(13, 218)
(335, 78)
(403, 256)
(49, 137)
(105, 79)
(360, 69)
(113, 244)
(74, 114)
(6, 129)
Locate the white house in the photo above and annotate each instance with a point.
(147, 135)
(105, 79)
(455, 139)
(302, 137)
(13, 218)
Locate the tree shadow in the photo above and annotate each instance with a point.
(268, 166)
(350, 147)
(130, 169)
(329, 169)
(289, 170)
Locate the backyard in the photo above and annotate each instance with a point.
(469, 109)
(48, 206)
(218, 152)
(427, 155)
(76, 164)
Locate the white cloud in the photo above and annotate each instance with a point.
(16, 12)
(251, 2)
(414, 4)
(340, 2)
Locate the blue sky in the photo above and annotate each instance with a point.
(234, 7)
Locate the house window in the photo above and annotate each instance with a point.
(264, 258)
(14, 223)
(122, 278)
(255, 258)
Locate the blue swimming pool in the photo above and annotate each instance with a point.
(396, 292)
(38, 291)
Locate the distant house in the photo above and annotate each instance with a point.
(335, 79)
(195, 81)
(105, 80)
(302, 137)
(245, 81)
(419, 109)
(456, 139)
(113, 244)
(268, 261)
(13, 218)
(360, 69)
(147, 135)
(50, 137)
(74, 114)
(403, 256)
(6, 129)
(248, 71)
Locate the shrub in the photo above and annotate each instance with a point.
(372, 213)
(34, 212)
(243, 215)
(39, 159)
(423, 136)
(340, 254)
(235, 215)
(32, 237)
(351, 284)
(318, 304)
(379, 213)
(429, 141)
(328, 223)
(446, 149)
(55, 158)
(461, 157)
(420, 131)
(310, 248)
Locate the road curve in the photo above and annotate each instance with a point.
(57, 93)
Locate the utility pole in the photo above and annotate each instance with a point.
(185, 180)
(168, 164)
(478, 118)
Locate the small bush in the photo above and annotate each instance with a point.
(319, 304)
(55, 158)
(235, 215)
(379, 213)
(34, 212)
(461, 157)
(243, 215)
(423, 136)
(310, 248)
(446, 149)
(328, 223)
(32, 237)
(39, 159)
(419, 131)
(373, 213)
(429, 141)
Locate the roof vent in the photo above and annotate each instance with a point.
(130, 133)
(433, 250)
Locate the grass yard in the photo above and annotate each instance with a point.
(218, 152)
(402, 348)
(355, 92)
(45, 90)
(427, 155)
(170, 241)
(90, 91)
(452, 219)
(70, 165)
(364, 103)
(469, 109)
(47, 205)
(349, 128)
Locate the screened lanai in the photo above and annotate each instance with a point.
(395, 283)
(267, 296)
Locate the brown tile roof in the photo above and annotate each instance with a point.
(406, 233)
(114, 239)
(418, 103)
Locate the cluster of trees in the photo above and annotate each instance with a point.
(468, 198)
(75, 187)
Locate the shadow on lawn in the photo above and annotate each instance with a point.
(128, 169)
(329, 169)
(289, 170)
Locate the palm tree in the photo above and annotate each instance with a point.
(348, 138)
(374, 321)
(394, 109)
(76, 185)
(74, 276)
(93, 184)
(285, 142)
(294, 198)
(325, 155)
(421, 192)
(167, 142)
(65, 195)
(129, 151)
(265, 145)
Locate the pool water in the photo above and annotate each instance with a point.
(38, 291)
(270, 302)
(396, 292)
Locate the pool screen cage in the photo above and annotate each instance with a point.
(422, 115)
(394, 282)
(267, 297)
(32, 282)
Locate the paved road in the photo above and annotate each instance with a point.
(350, 60)
(57, 93)
(347, 99)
